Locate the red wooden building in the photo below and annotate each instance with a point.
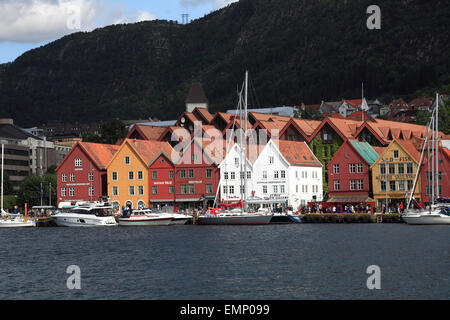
(349, 176)
(82, 174)
(444, 178)
(196, 176)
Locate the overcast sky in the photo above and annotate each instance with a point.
(27, 24)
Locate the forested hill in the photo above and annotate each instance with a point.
(296, 51)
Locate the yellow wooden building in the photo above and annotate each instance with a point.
(394, 172)
(128, 173)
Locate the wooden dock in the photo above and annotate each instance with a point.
(351, 218)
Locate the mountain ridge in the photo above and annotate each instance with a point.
(296, 51)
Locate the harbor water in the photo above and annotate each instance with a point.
(298, 261)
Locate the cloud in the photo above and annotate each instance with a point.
(43, 20)
(216, 4)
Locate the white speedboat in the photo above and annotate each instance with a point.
(235, 216)
(145, 217)
(86, 215)
(437, 215)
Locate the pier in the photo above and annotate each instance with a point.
(351, 218)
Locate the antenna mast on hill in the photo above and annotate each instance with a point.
(185, 18)
(362, 101)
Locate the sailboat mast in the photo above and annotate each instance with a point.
(245, 140)
(428, 163)
(433, 133)
(437, 146)
(3, 152)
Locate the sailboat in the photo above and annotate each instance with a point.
(9, 220)
(436, 213)
(238, 213)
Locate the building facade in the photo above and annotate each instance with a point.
(81, 176)
(350, 182)
(393, 175)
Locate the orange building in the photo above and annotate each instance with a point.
(128, 172)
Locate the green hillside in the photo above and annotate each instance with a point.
(296, 51)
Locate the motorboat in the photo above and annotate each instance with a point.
(145, 217)
(86, 215)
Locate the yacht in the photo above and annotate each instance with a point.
(437, 214)
(239, 213)
(145, 217)
(236, 216)
(86, 215)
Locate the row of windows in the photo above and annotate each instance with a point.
(354, 185)
(72, 192)
(400, 185)
(315, 188)
(276, 174)
(232, 175)
(305, 174)
(131, 190)
(352, 168)
(400, 168)
(72, 177)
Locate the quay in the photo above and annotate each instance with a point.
(351, 218)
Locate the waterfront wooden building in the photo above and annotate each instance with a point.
(350, 182)
(393, 174)
(128, 172)
(444, 175)
(82, 174)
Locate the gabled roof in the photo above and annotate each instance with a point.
(365, 150)
(303, 126)
(147, 150)
(345, 128)
(204, 114)
(100, 154)
(354, 103)
(297, 153)
(147, 132)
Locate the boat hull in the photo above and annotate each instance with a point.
(17, 224)
(426, 219)
(284, 219)
(130, 222)
(235, 220)
(63, 220)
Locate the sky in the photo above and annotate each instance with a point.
(28, 24)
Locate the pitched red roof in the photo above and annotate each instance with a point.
(147, 132)
(99, 153)
(354, 103)
(204, 113)
(149, 150)
(358, 116)
(297, 153)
